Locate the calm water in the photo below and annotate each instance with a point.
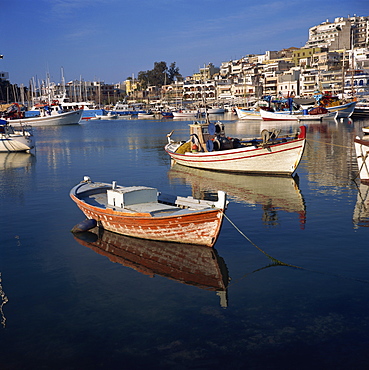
(296, 270)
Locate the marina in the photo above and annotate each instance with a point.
(285, 285)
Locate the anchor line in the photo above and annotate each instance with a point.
(277, 262)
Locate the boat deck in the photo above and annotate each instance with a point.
(155, 209)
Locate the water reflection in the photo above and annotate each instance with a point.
(273, 193)
(16, 160)
(4, 300)
(361, 210)
(188, 264)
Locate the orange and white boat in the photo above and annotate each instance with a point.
(145, 213)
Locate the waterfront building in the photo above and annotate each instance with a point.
(288, 83)
(341, 34)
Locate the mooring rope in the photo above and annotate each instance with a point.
(277, 262)
(324, 142)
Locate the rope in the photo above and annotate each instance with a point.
(277, 262)
(324, 142)
(250, 241)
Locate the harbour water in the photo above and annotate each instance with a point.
(286, 287)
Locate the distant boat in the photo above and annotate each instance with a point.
(167, 114)
(334, 104)
(361, 109)
(343, 110)
(16, 139)
(209, 148)
(48, 116)
(122, 108)
(212, 110)
(145, 115)
(362, 156)
(192, 265)
(248, 114)
(144, 213)
(186, 113)
(107, 116)
(295, 116)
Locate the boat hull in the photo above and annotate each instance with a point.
(285, 116)
(200, 227)
(248, 114)
(278, 159)
(68, 118)
(344, 110)
(362, 154)
(16, 140)
(16, 143)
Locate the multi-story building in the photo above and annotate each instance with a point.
(343, 33)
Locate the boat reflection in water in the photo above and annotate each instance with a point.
(15, 160)
(188, 264)
(273, 193)
(361, 211)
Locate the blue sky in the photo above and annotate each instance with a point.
(110, 40)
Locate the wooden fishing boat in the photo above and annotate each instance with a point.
(192, 265)
(362, 154)
(16, 139)
(343, 110)
(208, 148)
(143, 212)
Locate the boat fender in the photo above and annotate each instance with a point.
(209, 146)
(211, 128)
(85, 225)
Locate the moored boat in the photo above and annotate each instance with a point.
(246, 114)
(108, 115)
(16, 139)
(343, 110)
(144, 213)
(209, 148)
(186, 113)
(361, 109)
(267, 115)
(49, 116)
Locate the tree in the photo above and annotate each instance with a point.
(173, 72)
(159, 75)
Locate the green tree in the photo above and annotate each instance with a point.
(159, 75)
(173, 73)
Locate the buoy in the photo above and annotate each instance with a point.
(85, 225)
(195, 148)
